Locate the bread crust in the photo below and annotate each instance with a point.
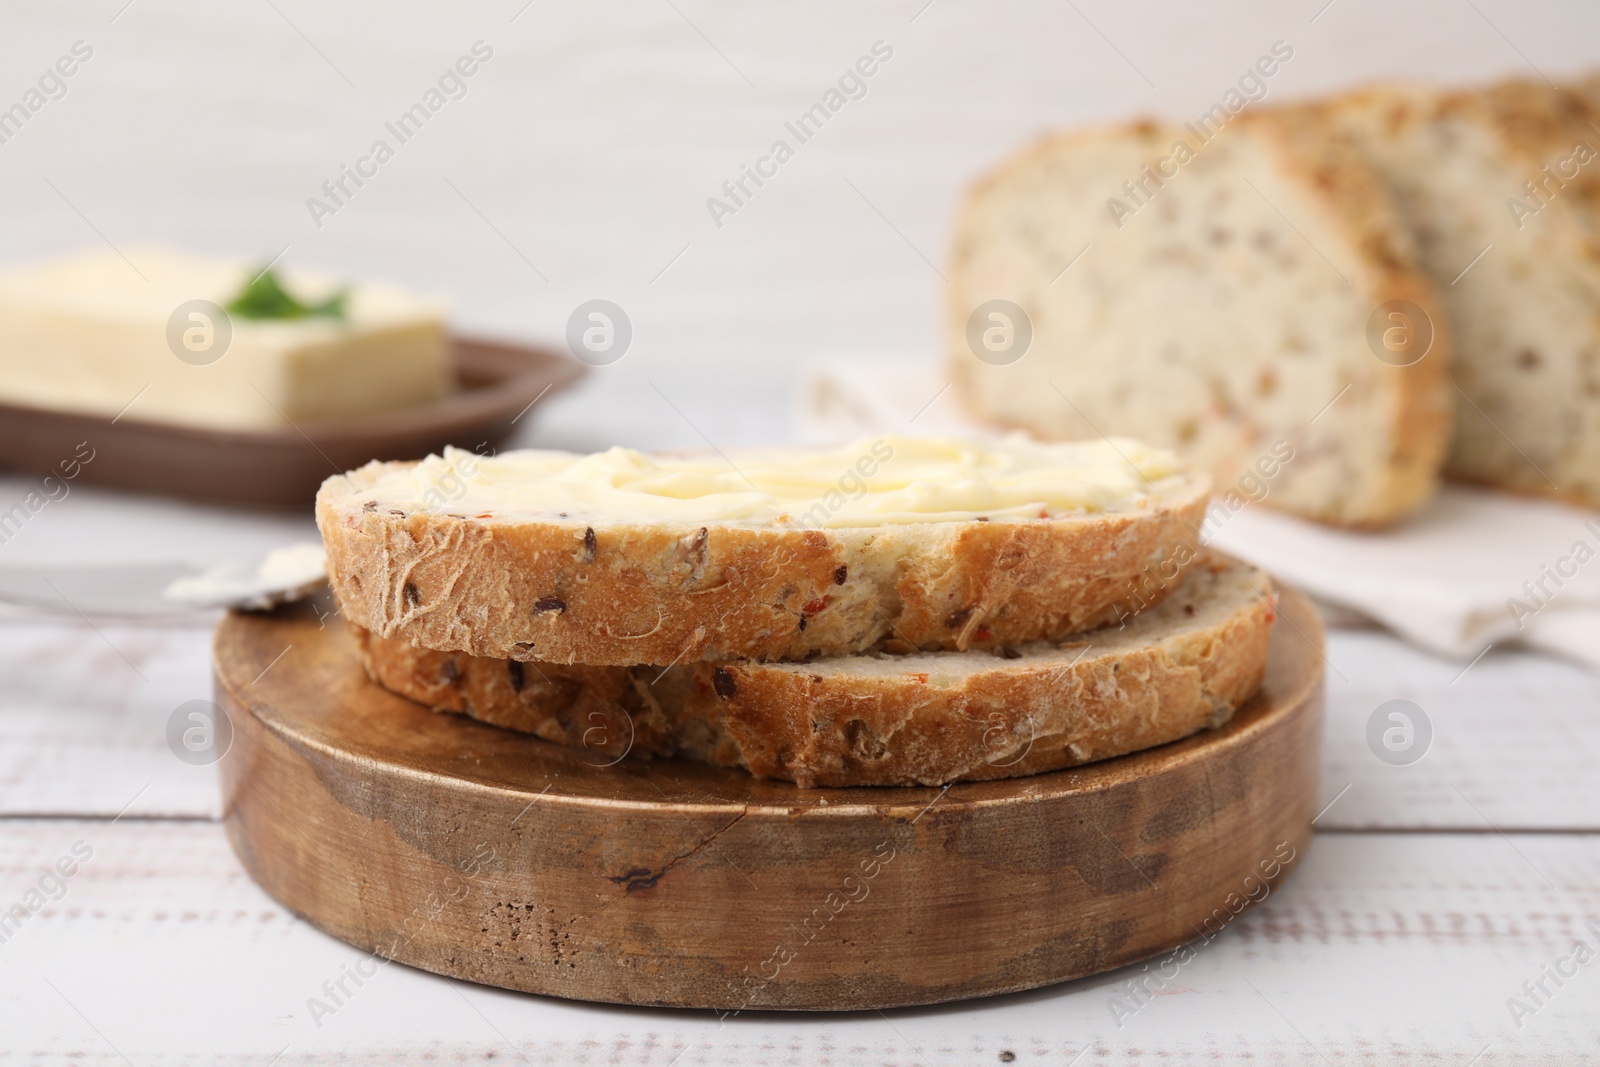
(1326, 159)
(1334, 176)
(1531, 123)
(1176, 669)
(623, 595)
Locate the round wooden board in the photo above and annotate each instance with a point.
(499, 858)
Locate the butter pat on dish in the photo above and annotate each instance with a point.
(147, 338)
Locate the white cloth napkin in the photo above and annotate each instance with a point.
(1474, 568)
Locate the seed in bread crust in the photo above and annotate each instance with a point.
(863, 742)
(588, 544)
(550, 603)
(840, 575)
(958, 619)
(412, 594)
(515, 671)
(722, 682)
(695, 555)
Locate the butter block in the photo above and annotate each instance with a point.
(99, 334)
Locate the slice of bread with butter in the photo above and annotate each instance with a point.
(620, 558)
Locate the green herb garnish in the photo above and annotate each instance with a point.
(266, 298)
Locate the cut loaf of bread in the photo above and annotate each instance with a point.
(1210, 290)
(947, 544)
(910, 719)
(1588, 88)
(1501, 188)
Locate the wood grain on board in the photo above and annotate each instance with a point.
(480, 853)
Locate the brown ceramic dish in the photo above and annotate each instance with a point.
(282, 468)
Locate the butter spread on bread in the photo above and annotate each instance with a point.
(887, 480)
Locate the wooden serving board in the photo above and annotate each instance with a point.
(503, 859)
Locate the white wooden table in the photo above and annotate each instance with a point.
(1431, 894)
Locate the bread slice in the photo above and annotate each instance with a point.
(912, 719)
(1588, 88)
(1501, 187)
(620, 559)
(1210, 290)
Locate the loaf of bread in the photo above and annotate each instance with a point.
(1588, 90)
(1501, 187)
(619, 559)
(1211, 290)
(883, 719)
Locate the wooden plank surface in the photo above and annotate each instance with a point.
(84, 716)
(1383, 948)
(1516, 739)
